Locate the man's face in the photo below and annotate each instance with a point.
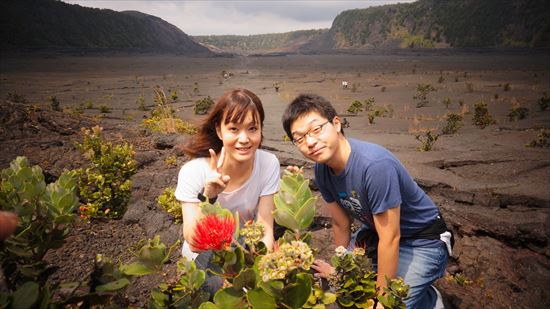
(316, 137)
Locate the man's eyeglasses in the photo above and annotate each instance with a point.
(313, 132)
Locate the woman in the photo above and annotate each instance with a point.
(227, 166)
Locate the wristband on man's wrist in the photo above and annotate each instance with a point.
(204, 198)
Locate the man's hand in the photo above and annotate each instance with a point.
(216, 184)
(322, 268)
(294, 169)
(8, 223)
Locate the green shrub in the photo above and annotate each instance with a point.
(454, 122)
(141, 103)
(469, 86)
(422, 91)
(506, 87)
(369, 103)
(482, 118)
(167, 202)
(54, 103)
(89, 104)
(174, 96)
(355, 107)
(427, 139)
(196, 87)
(542, 140)
(104, 109)
(45, 213)
(203, 105)
(447, 102)
(518, 113)
(544, 102)
(105, 186)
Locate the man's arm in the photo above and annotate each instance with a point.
(389, 233)
(341, 223)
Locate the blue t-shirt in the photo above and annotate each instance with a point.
(373, 182)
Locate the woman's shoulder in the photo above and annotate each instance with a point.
(195, 164)
(266, 157)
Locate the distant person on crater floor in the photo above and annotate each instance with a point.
(403, 230)
(227, 166)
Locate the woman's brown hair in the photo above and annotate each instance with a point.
(235, 106)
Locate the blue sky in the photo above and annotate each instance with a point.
(238, 17)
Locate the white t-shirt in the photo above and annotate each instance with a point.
(264, 180)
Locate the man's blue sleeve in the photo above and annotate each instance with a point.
(382, 186)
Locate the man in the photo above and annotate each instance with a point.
(364, 181)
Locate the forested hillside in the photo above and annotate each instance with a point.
(41, 24)
(421, 24)
(445, 23)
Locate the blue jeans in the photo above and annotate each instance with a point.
(420, 267)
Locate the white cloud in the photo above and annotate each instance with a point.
(239, 17)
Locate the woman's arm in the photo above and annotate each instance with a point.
(191, 213)
(389, 233)
(266, 206)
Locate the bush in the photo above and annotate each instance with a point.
(518, 113)
(454, 122)
(542, 140)
(447, 102)
(54, 103)
(544, 102)
(506, 87)
(105, 186)
(203, 105)
(421, 97)
(369, 103)
(355, 107)
(45, 212)
(104, 109)
(89, 104)
(482, 118)
(469, 87)
(167, 202)
(427, 139)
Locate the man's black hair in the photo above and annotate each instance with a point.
(305, 104)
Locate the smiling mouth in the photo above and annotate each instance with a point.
(316, 151)
(243, 149)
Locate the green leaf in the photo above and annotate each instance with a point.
(298, 293)
(259, 299)
(229, 298)
(113, 286)
(306, 213)
(273, 288)
(208, 305)
(136, 269)
(26, 295)
(328, 298)
(246, 279)
(284, 218)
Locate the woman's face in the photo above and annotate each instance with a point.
(240, 140)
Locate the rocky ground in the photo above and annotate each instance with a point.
(492, 190)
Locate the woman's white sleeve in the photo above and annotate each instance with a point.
(190, 182)
(272, 171)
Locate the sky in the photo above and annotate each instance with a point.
(196, 17)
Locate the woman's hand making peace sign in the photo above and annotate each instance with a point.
(218, 182)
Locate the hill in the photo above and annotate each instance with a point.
(437, 23)
(421, 24)
(258, 43)
(51, 24)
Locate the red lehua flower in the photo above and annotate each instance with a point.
(213, 233)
